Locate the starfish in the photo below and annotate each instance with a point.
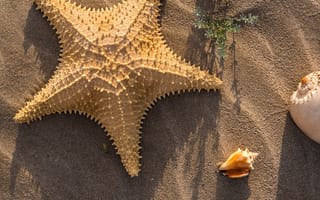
(114, 65)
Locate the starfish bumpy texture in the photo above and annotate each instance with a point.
(114, 64)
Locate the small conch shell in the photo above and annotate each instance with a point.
(238, 164)
(305, 106)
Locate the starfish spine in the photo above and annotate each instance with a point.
(114, 66)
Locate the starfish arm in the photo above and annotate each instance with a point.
(145, 51)
(173, 75)
(114, 63)
(70, 89)
(87, 92)
(80, 28)
(121, 117)
(62, 15)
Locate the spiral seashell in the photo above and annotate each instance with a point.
(305, 106)
(238, 164)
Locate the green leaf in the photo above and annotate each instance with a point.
(217, 30)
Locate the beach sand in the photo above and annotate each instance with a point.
(184, 136)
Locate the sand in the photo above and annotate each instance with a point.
(184, 136)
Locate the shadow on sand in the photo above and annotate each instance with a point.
(299, 164)
(64, 154)
(202, 50)
(44, 40)
(202, 53)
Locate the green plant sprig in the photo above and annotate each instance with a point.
(217, 30)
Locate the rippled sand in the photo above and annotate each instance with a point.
(184, 136)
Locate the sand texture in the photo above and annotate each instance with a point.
(184, 136)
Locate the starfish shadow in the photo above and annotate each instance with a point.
(6, 128)
(176, 131)
(299, 162)
(64, 153)
(44, 40)
(65, 157)
(163, 5)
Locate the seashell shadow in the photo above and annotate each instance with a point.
(298, 176)
(237, 189)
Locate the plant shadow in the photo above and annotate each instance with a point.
(235, 83)
(64, 153)
(202, 50)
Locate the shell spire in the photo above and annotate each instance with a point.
(305, 105)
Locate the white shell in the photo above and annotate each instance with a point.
(305, 106)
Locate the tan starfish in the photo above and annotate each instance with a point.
(114, 65)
